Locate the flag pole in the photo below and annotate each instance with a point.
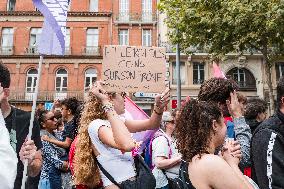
(24, 179)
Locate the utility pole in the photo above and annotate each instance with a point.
(178, 77)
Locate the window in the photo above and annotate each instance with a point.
(123, 37)
(61, 80)
(146, 38)
(90, 77)
(147, 10)
(279, 70)
(35, 37)
(31, 80)
(198, 73)
(182, 73)
(243, 77)
(240, 77)
(124, 10)
(7, 37)
(94, 5)
(92, 37)
(11, 5)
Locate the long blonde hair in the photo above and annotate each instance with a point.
(86, 171)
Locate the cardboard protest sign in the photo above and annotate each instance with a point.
(132, 69)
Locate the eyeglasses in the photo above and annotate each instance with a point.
(123, 94)
(53, 118)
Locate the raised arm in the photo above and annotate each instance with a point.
(118, 136)
(161, 101)
(242, 130)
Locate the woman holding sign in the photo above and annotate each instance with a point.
(105, 142)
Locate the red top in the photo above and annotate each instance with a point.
(71, 157)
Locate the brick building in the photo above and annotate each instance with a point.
(91, 25)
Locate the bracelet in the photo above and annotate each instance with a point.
(158, 112)
(157, 106)
(108, 107)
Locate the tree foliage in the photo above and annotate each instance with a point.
(224, 26)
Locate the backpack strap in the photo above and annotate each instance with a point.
(106, 173)
(158, 134)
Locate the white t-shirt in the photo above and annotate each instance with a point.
(8, 158)
(160, 148)
(119, 165)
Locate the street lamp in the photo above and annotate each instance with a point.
(178, 76)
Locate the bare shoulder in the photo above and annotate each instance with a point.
(211, 162)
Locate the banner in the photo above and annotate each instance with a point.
(133, 69)
(136, 113)
(52, 41)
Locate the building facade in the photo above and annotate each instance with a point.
(91, 25)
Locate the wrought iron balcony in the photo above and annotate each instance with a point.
(32, 50)
(92, 51)
(245, 85)
(139, 18)
(22, 96)
(6, 50)
(197, 81)
(169, 47)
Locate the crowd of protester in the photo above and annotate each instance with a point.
(219, 140)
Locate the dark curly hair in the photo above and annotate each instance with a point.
(194, 128)
(217, 90)
(254, 107)
(5, 78)
(41, 117)
(71, 104)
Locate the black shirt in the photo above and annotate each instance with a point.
(17, 124)
(70, 131)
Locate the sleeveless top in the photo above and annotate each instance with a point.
(184, 171)
(118, 164)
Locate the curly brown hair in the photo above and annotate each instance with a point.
(217, 90)
(86, 171)
(194, 128)
(254, 107)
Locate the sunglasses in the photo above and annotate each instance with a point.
(123, 94)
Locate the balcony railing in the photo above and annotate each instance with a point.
(6, 50)
(172, 48)
(197, 81)
(169, 47)
(243, 85)
(92, 51)
(20, 96)
(32, 50)
(136, 18)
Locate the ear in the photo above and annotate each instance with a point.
(6, 92)
(69, 111)
(215, 125)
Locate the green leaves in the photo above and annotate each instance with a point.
(226, 26)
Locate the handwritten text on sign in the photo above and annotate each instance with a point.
(132, 69)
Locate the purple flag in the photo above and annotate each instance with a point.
(53, 34)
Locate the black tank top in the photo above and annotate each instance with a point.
(184, 169)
